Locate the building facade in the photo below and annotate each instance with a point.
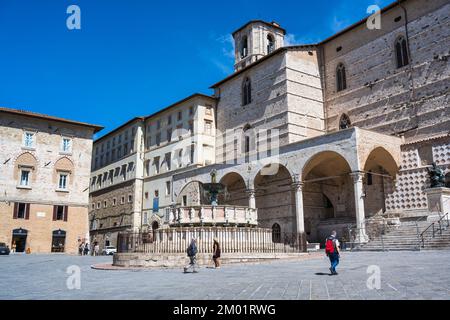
(45, 170)
(320, 136)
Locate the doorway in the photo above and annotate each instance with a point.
(58, 241)
(19, 240)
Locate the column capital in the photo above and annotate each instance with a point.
(297, 186)
(357, 176)
(251, 192)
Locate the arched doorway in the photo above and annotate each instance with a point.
(236, 190)
(380, 170)
(328, 196)
(19, 240)
(276, 233)
(58, 241)
(275, 199)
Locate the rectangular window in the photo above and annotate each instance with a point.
(208, 127)
(66, 145)
(25, 178)
(208, 111)
(98, 205)
(184, 201)
(168, 188)
(114, 202)
(130, 198)
(156, 163)
(169, 135)
(147, 168)
(168, 160)
(169, 120)
(191, 158)
(180, 115)
(122, 200)
(158, 139)
(60, 213)
(105, 204)
(125, 149)
(21, 211)
(28, 140)
(158, 125)
(62, 185)
(191, 111)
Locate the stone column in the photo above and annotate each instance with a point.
(251, 198)
(361, 236)
(297, 187)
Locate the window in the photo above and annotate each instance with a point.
(158, 139)
(28, 140)
(401, 52)
(122, 200)
(146, 195)
(169, 135)
(105, 204)
(66, 145)
(191, 111)
(246, 92)
(125, 149)
(99, 205)
(184, 201)
(244, 47)
(180, 115)
(276, 233)
(425, 155)
(344, 122)
(21, 211)
(130, 198)
(191, 127)
(60, 213)
(62, 184)
(169, 120)
(93, 206)
(158, 124)
(114, 202)
(168, 160)
(147, 168)
(168, 188)
(208, 111)
(25, 178)
(270, 43)
(208, 127)
(341, 80)
(156, 163)
(192, 154)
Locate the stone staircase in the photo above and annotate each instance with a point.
(405, 238)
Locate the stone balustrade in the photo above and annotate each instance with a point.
(213, 216)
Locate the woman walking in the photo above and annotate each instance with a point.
(216, 253)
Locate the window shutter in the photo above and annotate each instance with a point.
(16, 208)
(66, 213)
(55, 210)
(27, 211)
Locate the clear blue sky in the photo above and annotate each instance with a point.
(134, 57)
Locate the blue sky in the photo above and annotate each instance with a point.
(134, 57)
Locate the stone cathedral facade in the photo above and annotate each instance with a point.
(356, 121)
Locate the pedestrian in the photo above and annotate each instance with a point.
(86, 249)
(332, 250)
(96, 249)
(82, 249)
(216, 253)
(192, 254)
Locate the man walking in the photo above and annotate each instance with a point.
(332, 250)
(192, 254)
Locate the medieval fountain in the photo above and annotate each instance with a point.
(236, 229)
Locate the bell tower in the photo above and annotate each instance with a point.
(255, 40)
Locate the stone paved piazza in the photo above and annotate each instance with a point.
(404, 275)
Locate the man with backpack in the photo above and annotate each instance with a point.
(192, 254)
(332, 251)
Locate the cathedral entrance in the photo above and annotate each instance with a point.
(328, 196)
(19, 240)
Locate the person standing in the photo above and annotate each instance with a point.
(332, 248)
(86, 249)
(192, 254)
(216, 253)
(96, 249)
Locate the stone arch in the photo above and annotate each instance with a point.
(380, 170)
(63, 164)
(191, 195)
(235, 190)
(25, 160)
(328, 196)
(275, 199)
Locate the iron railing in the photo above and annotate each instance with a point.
(435, 228)
(232, 240)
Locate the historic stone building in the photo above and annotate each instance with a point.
(44, 181)
(323, 136)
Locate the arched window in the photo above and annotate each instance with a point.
(344, 122)
(270, 43)
(341, 79)
(246, 92)
(276, 233)
(244, 47)
(401, 52)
